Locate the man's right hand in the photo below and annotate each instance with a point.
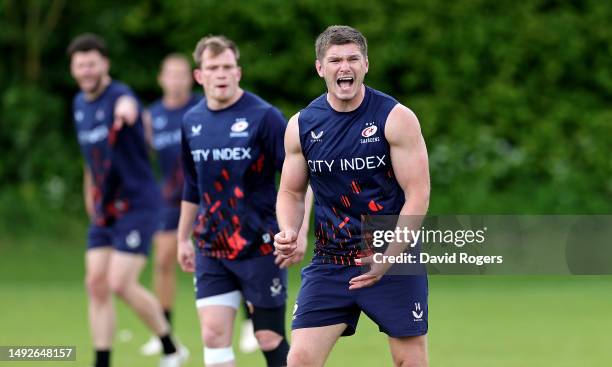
(296, 256)
(285, 243)
(186, 255)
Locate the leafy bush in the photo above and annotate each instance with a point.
(513, 97)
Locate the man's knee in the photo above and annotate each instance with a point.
(412, 352)
(165, 263)
(119, 287)
(97, 287)
(269, 326)
(299, 357)
(216, 335)
(268, 340)
(165, 253)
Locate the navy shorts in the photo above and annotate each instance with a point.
(131, 233)
(169, 218)
(397, 303)
(261, 282)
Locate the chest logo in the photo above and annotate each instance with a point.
(369, 131)
(78, 116)
(100, 115)
(238, 128)
(160, 122)
(196, 130)
(316, 137)
(367, 134)
(240, 125)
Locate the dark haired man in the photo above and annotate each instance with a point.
(118, 187)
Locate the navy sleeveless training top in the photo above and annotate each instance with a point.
(350, 172)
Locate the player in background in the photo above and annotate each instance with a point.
(232, 150)
(162, 121)
(363, 154)
(118, 187)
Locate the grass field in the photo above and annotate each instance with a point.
(474, 321)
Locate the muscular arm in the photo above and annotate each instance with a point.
(294, 182)
(292, 191)
(409, 159)
(411, 168)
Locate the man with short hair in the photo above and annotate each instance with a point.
(118, 187)
(232, 149)
(162, 122)
(348, 124)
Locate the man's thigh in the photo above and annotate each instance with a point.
(97, 261)
(409, 351)
(311, 346)
(125, 267)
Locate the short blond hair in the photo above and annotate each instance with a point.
(216, 44)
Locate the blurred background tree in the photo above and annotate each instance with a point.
(513, 97)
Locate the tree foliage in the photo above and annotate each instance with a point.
(513, 97)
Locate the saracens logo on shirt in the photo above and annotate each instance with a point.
(239, 127)
(368, 133)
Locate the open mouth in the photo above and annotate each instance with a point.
(345, 82)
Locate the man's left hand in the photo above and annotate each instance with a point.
(371, 277)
